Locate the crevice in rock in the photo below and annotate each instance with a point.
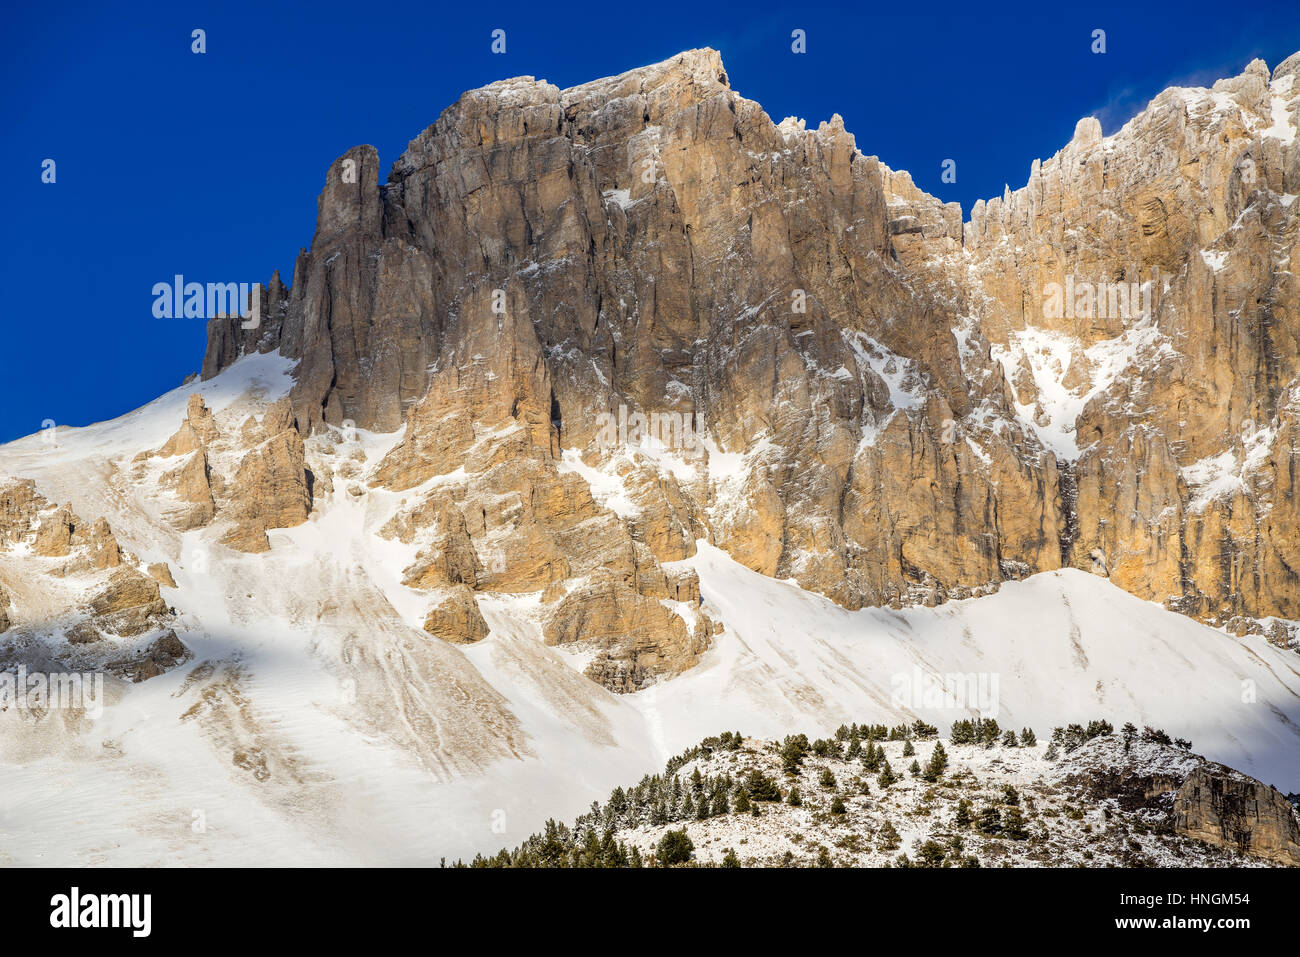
(1069, 492)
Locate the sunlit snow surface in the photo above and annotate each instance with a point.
(386, 746)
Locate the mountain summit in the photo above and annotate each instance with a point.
(620, 414)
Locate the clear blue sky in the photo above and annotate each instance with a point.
(170, 162)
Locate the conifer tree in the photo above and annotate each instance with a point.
(675, 847)
(931, 854)
(887, 776)
(761, 787)
(963, 817)
(937, 764)
(888, 838)
(990, 819)
(1013, 824)
(720, 802)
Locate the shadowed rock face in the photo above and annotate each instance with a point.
(918, 420)
(1228, 809)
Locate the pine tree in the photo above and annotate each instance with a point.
(963, 817)
(1009, 739)
(887, 776)
(793, 752)
(837, 805)
(931, 854)
(720, 802)
(609, 851)
(990, 819)
(963, 732)
(827, 779)
(937, 764)
(794, 800)
(1129, 731)
(1051, 754)
(742, 801)
(908, 750)
(675, 847)
(872, 756)
(1013, 824)
(729, 859)
(888, 838)
(761, 787)
(914, 769)
(922, 730)
(1027, 738)
(989, 732)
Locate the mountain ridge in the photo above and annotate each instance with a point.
(391, 528)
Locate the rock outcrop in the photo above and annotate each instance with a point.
(84, 599)
(457, 618)
(1229, 809)
(271, 489)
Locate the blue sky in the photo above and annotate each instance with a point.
(209, 165)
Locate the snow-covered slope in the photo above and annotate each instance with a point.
(319, 724)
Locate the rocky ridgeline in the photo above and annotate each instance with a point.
(866, 797)
(909, 409)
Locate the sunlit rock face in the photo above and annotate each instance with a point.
(869, 396)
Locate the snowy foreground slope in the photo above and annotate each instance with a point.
(319, 724)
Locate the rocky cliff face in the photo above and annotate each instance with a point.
(1231, 810)
(871, 397)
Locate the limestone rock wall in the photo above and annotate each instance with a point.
(1229, 809)
(891, 407)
